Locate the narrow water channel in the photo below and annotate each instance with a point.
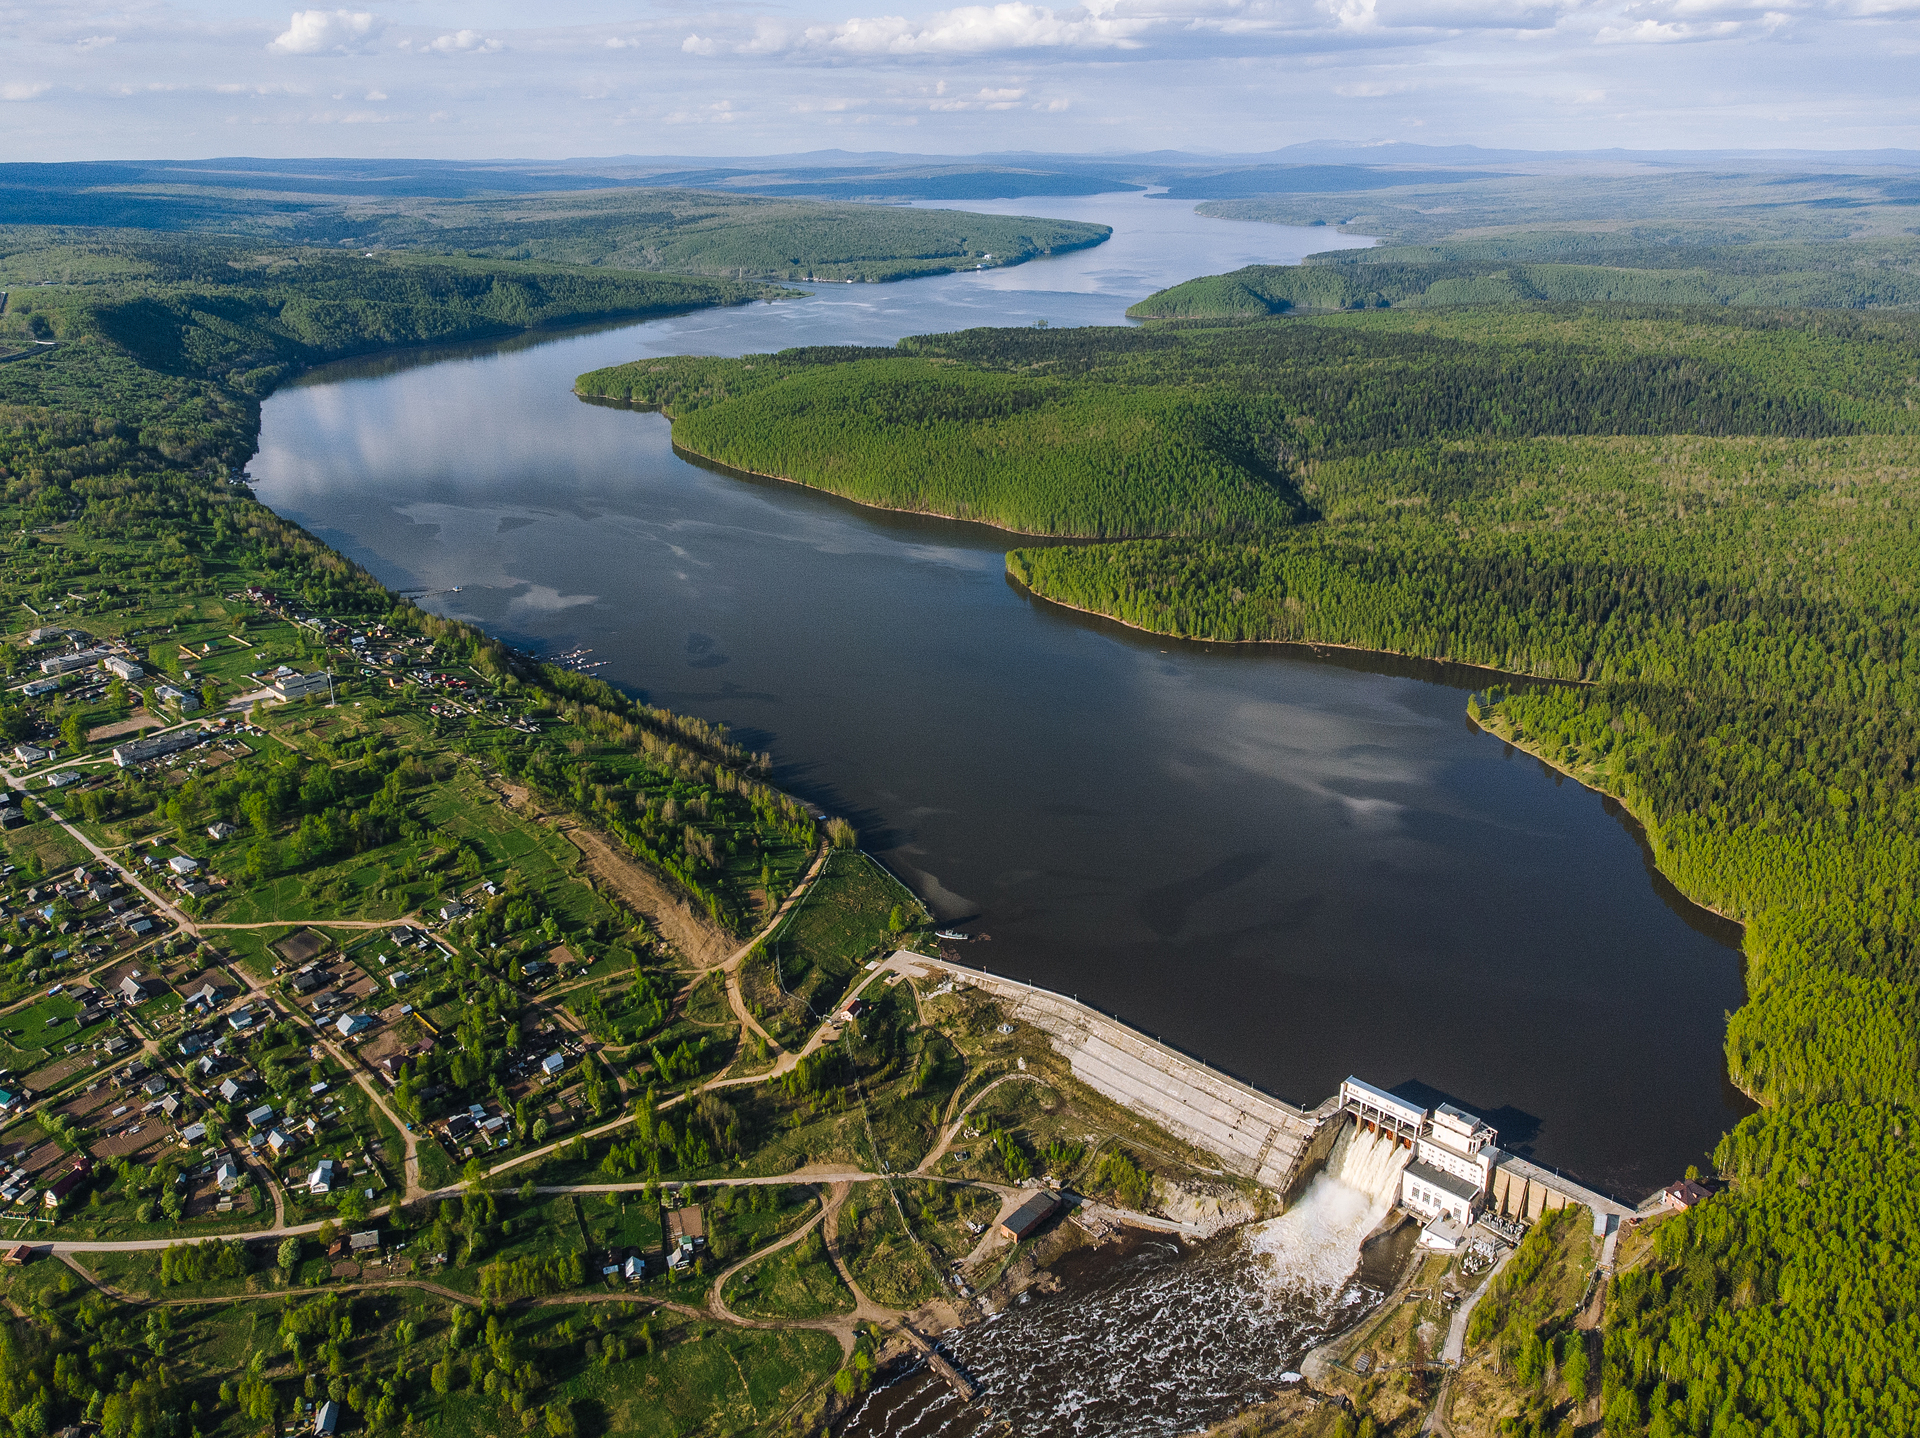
(1296, 867)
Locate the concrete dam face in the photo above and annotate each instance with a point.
(1252, 1134)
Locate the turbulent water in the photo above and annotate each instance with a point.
(1152, 1337)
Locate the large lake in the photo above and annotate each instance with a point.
(1298, 867)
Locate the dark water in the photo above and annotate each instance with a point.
(1297, 867)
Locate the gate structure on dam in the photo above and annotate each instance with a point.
(1378, 1111)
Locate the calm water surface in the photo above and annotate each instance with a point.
(1297, 867)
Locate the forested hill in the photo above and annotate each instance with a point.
(1708, 516)
(126, 308)
(670, 230)
(1109, 433)
(1558, 268)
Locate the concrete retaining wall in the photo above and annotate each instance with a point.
(1251, 1134)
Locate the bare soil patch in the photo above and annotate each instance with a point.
(694, 937)
(635, 885)
(133, 725)
(298, 947)
(40, 1080)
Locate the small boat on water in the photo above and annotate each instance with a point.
(953, 934)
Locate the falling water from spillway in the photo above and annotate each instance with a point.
(1314, 1246)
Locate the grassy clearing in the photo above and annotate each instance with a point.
(800, 1281)
(883, 1259)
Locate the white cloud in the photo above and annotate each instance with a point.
(94, 42)
(696, 45)
(321, 32)
(968, 30)
(465, 42)
(19, 91)
(376, 94)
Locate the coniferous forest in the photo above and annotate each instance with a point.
(1691, 536)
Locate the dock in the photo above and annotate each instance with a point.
(956, 1380)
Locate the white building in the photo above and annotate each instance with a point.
(298, 686)
(1452, 1166)
(125, 668)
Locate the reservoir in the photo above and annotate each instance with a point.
(1294, 866)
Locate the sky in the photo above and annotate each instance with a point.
(148, 79)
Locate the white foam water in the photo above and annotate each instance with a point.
(1162, 1338)
(1314, 1246)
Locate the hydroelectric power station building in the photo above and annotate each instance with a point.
(1456, 1173)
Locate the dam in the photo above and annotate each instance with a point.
(1440, 1164)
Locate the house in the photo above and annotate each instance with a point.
(1029, 1216)
(227, 1175)
(397, 978)
(458, 1127)
(454, 910)
(321, 1180)
(240, 1019)
(1684, 1195)
(221, 830)
(167, 694)
(124, 667)
(306, 981)
(28, 754)
(134, 989)
(169, 1105)
(183, 864)
(260, 1117)
(351, 1024)
(7, 1100)
(278, 1141)
(635, 1268)
(154, 1086)
(552, 1064)
(231, 1089)
(58, 1192)
(63, 778)
(194, 1133)
(327, 1416)
(205, 994)
(366, 1241)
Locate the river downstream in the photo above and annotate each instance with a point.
(1297, 867)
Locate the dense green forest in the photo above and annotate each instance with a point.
(134, 313)
(1228, 430)
(1706, 519)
